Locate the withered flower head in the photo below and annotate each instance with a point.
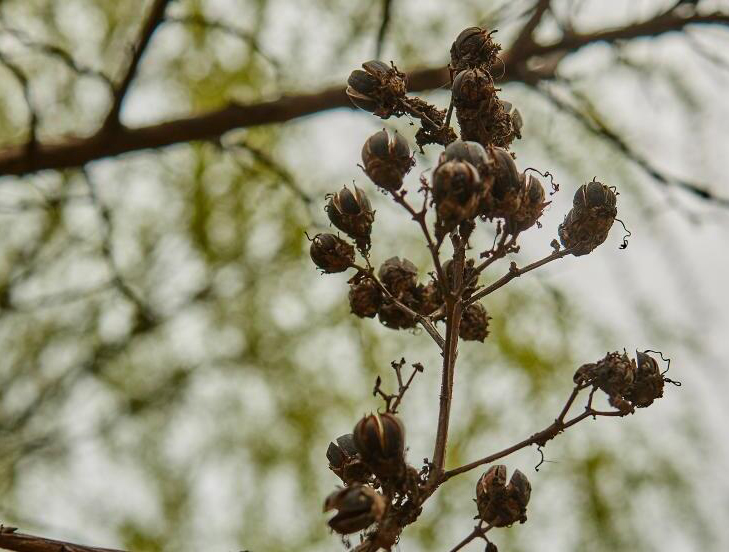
(386, 159)
(531, 206)
(345, 462)
(498, 503)
(505, 195)
(471, 152)
(377, 88)
(456, 192)
(648, 384)
(365, 298)
(357, 507)
(393, 317)
(471, 87)
(380, 440)
(352, 213)
(614, 375)
(475, 323)
(429, 298)
(398, 276)
(474, 47)
(587, 224)
(331, 253)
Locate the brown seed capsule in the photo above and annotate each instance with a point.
(531, 206)
(386, 159)
(473, 47)
(469, 275)
(475, 323)
(393, 317)
(365, 298)
(398, 276)
(515, 119)
(376, 89)
(648, 384)
(357, 507)
(505, 195)
(500, 504)
(587, 224)
(429, 298)
(471, 87)
(471, 152)
(331, 253)
(345, 462)
(380, 440)
(352, 213)
(614, 375)
(595, 195)
(456, 192)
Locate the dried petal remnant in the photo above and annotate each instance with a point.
(386, 159)
(357, 507)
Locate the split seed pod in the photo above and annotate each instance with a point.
(475, 323)
(531, 206)
(398, 276)
(376, 89)
(506, 193)
(386, 159)
(393, 317)
(471, 152)
(351, 212)
(474, 47)
(498, 503)
(345, 462)
(588, 222)
(517, 122)
(614, 375)
(456, 192)
(380, 440)
(331, 253)
(357, 507)
(648, 384)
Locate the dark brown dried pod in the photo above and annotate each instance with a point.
(471, 152)
(505, 195)
(331, 253)
(351, 212)
(648, 384)
(456, 193)
(377, 89)
(614, 374)
(471, 87)
(515, 118)
(429, 298)
(583, 230)
(380, 441)
(475, 323)
(345, 462)
(595, 196)
(395, 318)
(474, 47)
(365, 298)
(500, 504)
(386, 159)
(357, 507)
(468, 274)
(398, 276)
(531, 206)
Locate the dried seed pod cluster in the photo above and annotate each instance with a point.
(475, 182)
(501, 504)
(627, 383)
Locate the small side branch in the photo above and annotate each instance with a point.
(20, 542)
(392, 401)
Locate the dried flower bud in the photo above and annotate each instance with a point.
(331, 253)
(376, 89)
(517, 123)
(456, 192)
(386, 159)
(352, 213)
(380, 440)
(614, 375)
(531, 206)
(429, 298)
(475, 323)
(357, 507)
(345, 462)
(500, 504)
(473, 47)
(365, 298)
(398, 276)
(471, 152)
(648, 384)
(505, 195)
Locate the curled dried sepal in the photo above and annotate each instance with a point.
(474, 47)
(345, 462)
(398, 276)
(475, 323)
(614, 375)
(589, 221)
(357, 507)
(498, 503)
(471, 152)
(351, 212)
(531, 206)
(365, 298)
(331, 253)
(456, 192)
(378, 89)
(380, 440)
(505, 195)
(386, 159)
(648, 384)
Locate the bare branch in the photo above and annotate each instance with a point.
(20, 542)
(384, 24)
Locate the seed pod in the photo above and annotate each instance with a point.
(386, 159)
(531, 206)
(393, 317)
(352, 213)
(473, 47)
(595, 196)
(500, 504)
(357, 507)
(648, 384)
(380, 440)
(468, 275)
(471, 152)
(365, 298)
(515, 119)
(505, 197)
(475, 323)
(471, 87)
(614, 375)
(376, 89)
(456, 192)
(331, 253)
(398, 276)
(345, 462)
(429, 298)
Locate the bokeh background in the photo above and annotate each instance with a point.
(172, 367)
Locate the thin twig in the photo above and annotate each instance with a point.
(384, 25)
(478, 531)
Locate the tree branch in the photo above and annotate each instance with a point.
(20, 542)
